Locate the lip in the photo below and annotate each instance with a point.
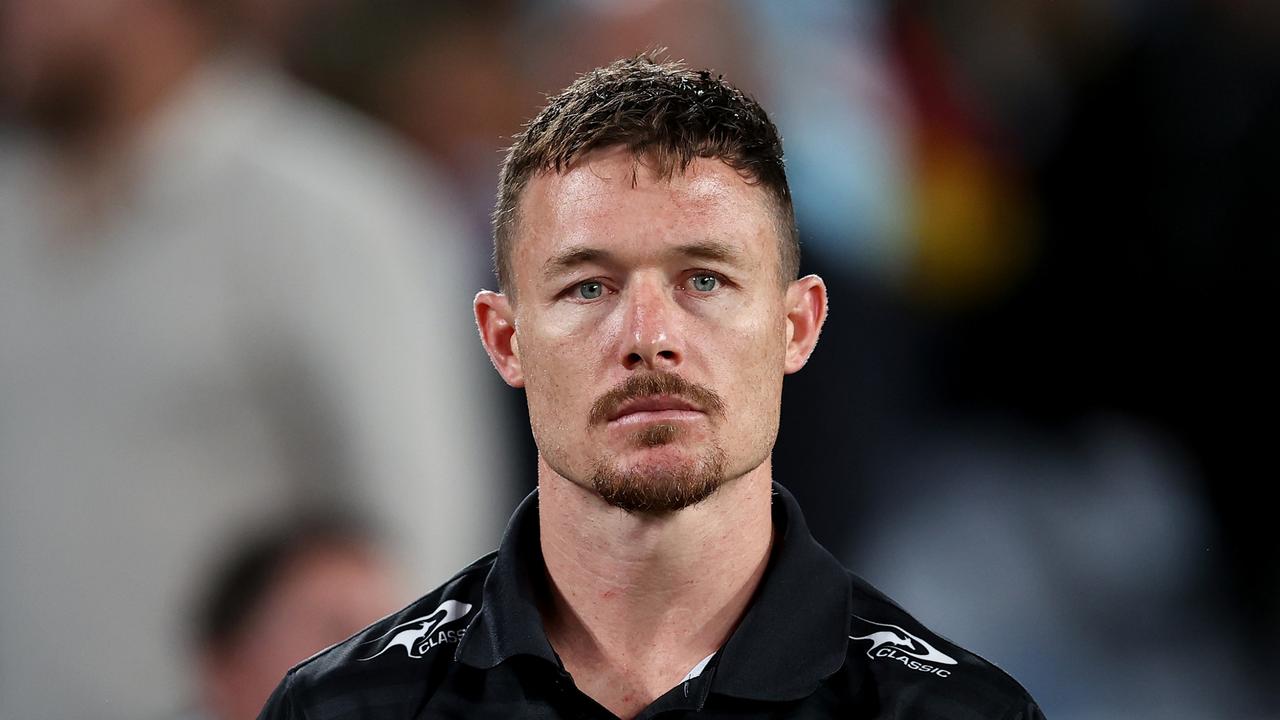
(657, 407)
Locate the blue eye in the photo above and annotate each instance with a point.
(703, 283)
(590, 290)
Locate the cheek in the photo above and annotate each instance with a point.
(557, 371)
(756, 341)
(752, 368)
(561, 351)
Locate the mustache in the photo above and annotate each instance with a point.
(658, 382)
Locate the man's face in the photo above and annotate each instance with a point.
(54, 55)
(318, 598)
(651, 327)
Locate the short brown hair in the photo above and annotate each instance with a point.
(661, 111)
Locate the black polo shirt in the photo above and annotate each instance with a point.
(817, 642)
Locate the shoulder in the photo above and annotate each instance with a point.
(379, 672)
(303, 158)
(913, 669)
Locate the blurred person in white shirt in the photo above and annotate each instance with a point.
(219, 296)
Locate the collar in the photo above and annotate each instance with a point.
(792, 637)
(509, 623)
(796, 632)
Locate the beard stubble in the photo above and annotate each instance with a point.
(659, 489)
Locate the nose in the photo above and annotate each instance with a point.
(651, 338)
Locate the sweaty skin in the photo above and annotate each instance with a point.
(620, 273)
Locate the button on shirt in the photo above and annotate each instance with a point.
(816, 642)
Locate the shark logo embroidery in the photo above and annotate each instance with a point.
(417, 636)
(893, 643)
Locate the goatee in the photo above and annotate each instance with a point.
(660, 490)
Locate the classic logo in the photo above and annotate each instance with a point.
(891, 642)
(419, 635)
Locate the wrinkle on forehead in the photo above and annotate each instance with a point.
(704, 185)
(560, 210)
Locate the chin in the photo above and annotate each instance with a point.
(661, 480)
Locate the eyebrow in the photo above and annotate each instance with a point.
(709, 250)
(571, 258)
(577, 255)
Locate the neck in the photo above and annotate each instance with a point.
(637, 600)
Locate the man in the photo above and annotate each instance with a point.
(647, 258)
(290, 591)
(220, 297)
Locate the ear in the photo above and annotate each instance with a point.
(496, 322)
(806, 311)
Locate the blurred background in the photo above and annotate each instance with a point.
(239, 240)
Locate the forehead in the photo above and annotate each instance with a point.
(611, 200)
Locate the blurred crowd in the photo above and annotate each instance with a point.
(243, 411)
